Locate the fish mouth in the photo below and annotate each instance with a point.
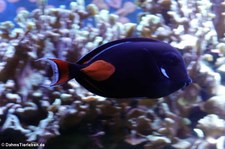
(188, 82)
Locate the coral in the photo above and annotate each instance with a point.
(219, 8)
(2, 6)
(115, 3)
(159, 142)
(212, 126)
(215, 105)
(192, 118)
(181, 144)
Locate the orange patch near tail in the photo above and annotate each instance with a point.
(63, 68)
(99, 70)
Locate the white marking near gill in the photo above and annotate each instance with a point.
(164, 72)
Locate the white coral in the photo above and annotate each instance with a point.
(212, 126)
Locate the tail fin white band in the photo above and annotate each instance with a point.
(55, 69)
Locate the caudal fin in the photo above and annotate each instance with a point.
(61, 72)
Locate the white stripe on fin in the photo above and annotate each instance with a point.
(55, 70)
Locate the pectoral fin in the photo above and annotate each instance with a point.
(100, 70)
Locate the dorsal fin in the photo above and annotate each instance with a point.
(96, 51)
(107, 46)
(99, 70)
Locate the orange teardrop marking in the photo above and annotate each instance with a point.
(100, 70)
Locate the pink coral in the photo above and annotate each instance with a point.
(114, 3)
(100, 4)
(127, 8)
(2, 5)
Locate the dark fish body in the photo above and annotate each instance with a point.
(133, 67)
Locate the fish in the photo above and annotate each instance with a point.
(126, 68)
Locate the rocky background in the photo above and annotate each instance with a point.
(70, 117)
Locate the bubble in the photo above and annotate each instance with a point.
(2, 6)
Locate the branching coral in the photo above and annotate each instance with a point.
(181, 120)
(56, 33)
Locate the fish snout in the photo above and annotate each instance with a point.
(188, 82)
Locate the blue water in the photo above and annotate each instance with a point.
(11, 8)
(10, 11)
